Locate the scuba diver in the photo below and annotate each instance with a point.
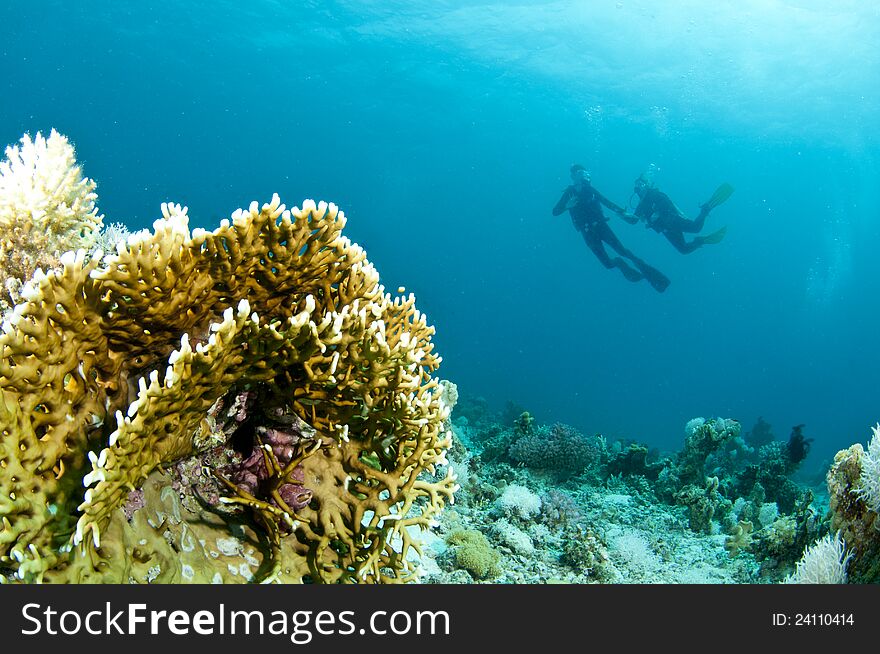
(661, 214)
(583, 203)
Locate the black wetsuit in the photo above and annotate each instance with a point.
(588, 219)
(661, 215)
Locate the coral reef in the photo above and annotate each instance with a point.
(702, 438)
(562, 449)
(46, 208)
(705, 505)
(760, 434)
(473, 411)
(633, 461)
(559, 450)
(588, 529)
(266, 355)
(637, 520)
(851, 516)
(769, 480)
(780, 544)
(586, 553)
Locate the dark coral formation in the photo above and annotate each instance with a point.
(760, 434)
(272, 471)
(798, 446)
(701, 440)
(633, 461)
(770, 478)
(561, 449)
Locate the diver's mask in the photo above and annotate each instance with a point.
(580, 174)
(639, 188)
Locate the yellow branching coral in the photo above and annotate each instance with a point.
(111, 365)
(46, 208)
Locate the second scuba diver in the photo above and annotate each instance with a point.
(660, 214)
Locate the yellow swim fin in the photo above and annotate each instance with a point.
(714, 237)
(718, 197)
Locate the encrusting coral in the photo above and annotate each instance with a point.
(115, 368)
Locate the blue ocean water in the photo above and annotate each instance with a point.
(445, 131)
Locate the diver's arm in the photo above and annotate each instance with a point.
(644, 209)
(562, 205)
(616, 208)
(641, 212)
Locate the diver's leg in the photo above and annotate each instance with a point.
(595, 244)
(677, 240)
(682, 224)
(593, 238)
(604, 233)
(696, 225)
(645, 271)
(641, 265)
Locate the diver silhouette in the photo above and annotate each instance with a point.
(583, 203)
(660, 214)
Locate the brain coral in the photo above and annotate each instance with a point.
(113, 366)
